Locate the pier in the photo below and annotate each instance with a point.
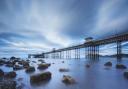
(91, 48)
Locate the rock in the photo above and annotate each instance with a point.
(43, 66)
(2, 62)
(10, 74)
(68, 79)
(42, 61)
(19, 79)
(12, 58)
(87, 66)
(108, 64)
(7, 84)
(63, 70)
(27, 60)
(17, 67)
(34, 61)
(25, 64)
(126, 74)
(1, 73)
(120, 66)
(30, 69)
(21, 86)
(40, 77)
(9, 65)
(62, 61)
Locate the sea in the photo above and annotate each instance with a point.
(96, 77)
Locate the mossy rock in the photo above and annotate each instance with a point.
(40, 77)
(120, 66)
(68, 79)
(30, 69)
(43, 66)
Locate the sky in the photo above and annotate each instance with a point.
(35, 26)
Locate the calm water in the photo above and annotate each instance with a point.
(95, 77)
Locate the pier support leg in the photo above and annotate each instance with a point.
(119, 51)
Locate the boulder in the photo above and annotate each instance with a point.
(10, 74)
(40, 77)
(126, 74)
(108, 64)
(1, 73)
(30, 69)
(64, 70)
(68, 79)
(43, 66)
(120, 66)
(8, 84)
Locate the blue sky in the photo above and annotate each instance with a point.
(33, 26)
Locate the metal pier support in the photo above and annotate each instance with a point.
(92, 52)
(119, 51)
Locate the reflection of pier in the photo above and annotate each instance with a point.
(91, 48)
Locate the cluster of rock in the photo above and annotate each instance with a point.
(8, 84)
(18, 64)
(15, 63)
(11, 74)
(118, 66)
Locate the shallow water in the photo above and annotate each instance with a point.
(95, 77)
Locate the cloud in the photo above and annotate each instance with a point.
(40, 25)
(111, 18)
